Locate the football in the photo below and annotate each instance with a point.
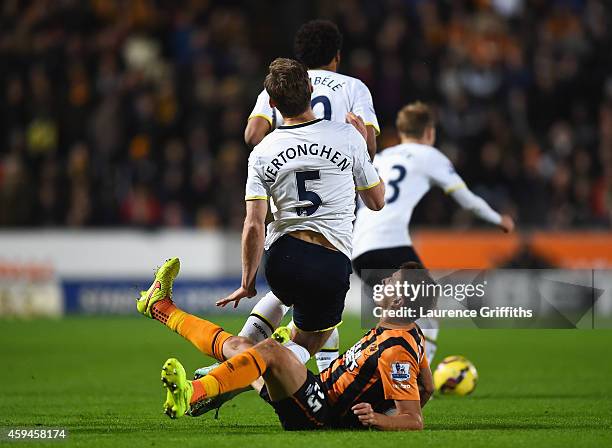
(455, 375)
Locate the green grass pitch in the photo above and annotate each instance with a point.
(99, 378)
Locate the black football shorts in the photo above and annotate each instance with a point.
(311, 278)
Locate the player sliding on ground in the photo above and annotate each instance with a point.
(382, 371)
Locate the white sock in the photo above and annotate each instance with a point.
(431, 337)
(299, 351)
(329, 352)
(264, 319)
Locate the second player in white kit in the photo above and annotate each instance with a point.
(333, 96)
(410, 170)
(317, 45)
(381, 240)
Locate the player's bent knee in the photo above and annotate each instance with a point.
(312, 340)
(236, 345)
(270, 350)
(275, 354)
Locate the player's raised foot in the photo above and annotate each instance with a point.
(201, 407)
(282, 335)
(161, 287)
(178, 388)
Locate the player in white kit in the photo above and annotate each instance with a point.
(308, 169)
(382, 240)
(317, 45)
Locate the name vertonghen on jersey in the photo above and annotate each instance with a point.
(310, 172)
(305, 150)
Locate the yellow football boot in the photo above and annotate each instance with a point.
(161, 287)
(178, 388)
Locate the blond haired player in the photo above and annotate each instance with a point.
(382, 240)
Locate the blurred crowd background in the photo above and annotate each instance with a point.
(131, 113)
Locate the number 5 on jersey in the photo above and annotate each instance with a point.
(306, 195)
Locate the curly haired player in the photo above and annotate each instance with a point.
(317, 45)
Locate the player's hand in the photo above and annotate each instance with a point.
(507, 224)
(358, 123)
(237, 296)
(365, 414)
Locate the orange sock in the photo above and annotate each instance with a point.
(236, 373)
(205, 387)
(162, 310)
(206, 336)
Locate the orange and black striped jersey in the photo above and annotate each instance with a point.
(381, 367)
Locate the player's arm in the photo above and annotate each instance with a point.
(257, 128)
(367, 131)
(443, 174)
(253, 237)
(369, 185)
(426, 385)
(364, 107)
(374, 196)
(260, 121)
(479, 207)
(408, 415)
(399, 368)
(253, 232)
(371, 140)
(407, 418)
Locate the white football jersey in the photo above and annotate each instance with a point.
(310, 172)
(333, 96)
(409, 171)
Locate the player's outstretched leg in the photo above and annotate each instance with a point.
(208, 337)
(203, 406)
(236, 373)
(282, 335)
(263, 320)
